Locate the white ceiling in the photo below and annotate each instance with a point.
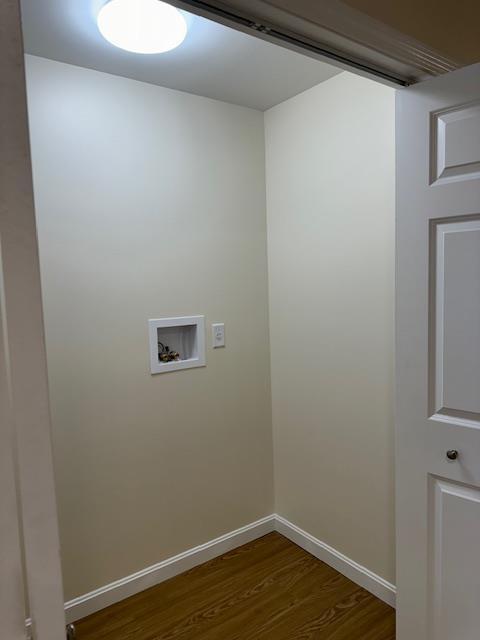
(213, 61)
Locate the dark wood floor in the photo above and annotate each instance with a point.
(269, 589)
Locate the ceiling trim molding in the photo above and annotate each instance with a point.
(333, 32)
(346, 21)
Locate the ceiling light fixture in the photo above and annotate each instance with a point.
(142, 26)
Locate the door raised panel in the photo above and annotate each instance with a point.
(456, 144)
(456, 317)
(455, 565)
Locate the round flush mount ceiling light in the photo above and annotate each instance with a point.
(142, 26)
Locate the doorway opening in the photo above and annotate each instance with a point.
(251, 188)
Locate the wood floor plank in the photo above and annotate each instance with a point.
(269, 589)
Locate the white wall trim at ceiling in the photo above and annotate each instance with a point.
(344, 565)
(331, 31)
(135, 583)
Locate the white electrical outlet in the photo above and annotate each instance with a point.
(218, 334)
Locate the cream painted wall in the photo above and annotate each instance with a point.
(150, 203)
(330, 214)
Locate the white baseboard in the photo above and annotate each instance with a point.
(157, 573)
(349, 568)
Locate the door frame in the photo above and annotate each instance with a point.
(334, 33)
(12, 587)
(23, 345)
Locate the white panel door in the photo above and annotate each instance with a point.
(438, 358)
